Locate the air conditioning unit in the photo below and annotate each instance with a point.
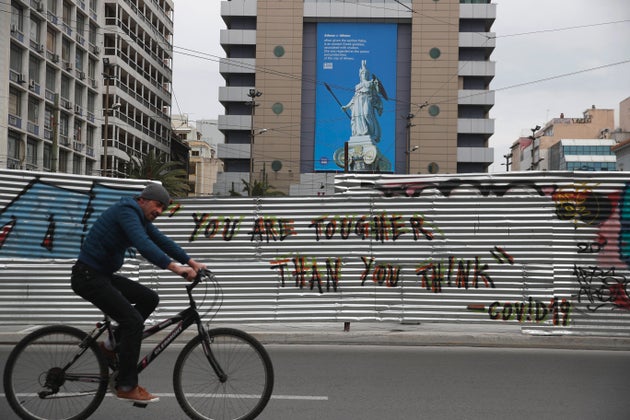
(40, 6)
(13, 28)
(31, 84)
(40, 48)
(68, 65)
(21, 78)
(96, 50)
(82, 75)
(77, 109)
(67, 104)
(94, 84)
(55, 58)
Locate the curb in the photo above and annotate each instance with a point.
(389, 335)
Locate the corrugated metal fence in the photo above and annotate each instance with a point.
(548, 251)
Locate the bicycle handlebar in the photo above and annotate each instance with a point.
(204, 273)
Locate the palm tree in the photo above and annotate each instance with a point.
(155, 167)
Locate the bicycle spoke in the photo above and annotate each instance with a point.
(249, 378)
(38, 387)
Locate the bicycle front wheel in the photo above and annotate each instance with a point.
(49, 376)
(244, 391)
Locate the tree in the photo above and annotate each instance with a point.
(156, 167)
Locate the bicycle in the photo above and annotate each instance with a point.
(59, 372)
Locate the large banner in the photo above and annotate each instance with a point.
(355, 103)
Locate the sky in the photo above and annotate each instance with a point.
(552, 57)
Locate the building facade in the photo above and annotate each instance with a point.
(533, 153)
(137, 54)
(202, 164)
(74, 68)
(318, 86)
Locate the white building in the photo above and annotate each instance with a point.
(57, 92)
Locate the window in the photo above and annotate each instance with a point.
(33, 110)
(14, 151)
(67, 14)
(15, 102)
(63, 126)
(78, 95)
(77, 131)
(63, 161)
(92, 35)
(50, 79)
(51, 41)
(33, 69)
(78, 62)
(91, 69)
(48, 118)
(65, 88)
(80, 24)
(76, 164)
(52, 6)
(47, 157)
(65, 50)
(17, 18)
(15, 61)
(91, 101)
(35, 34)
(31, 154)
(89, 140)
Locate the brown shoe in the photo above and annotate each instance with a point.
(137, 394)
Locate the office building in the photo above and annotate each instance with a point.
(316, 87)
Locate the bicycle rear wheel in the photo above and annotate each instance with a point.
(43, 380)
(247, 388)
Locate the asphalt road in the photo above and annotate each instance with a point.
(331, 382)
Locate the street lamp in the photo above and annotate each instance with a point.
(508, 161)
(533, 138)
(252, 94)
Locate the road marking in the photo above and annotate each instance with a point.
(273, 397)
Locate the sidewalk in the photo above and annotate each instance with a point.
(390, 333)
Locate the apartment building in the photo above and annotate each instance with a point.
(316, 87)
(76, 67)
(533, 152)
(203, 165)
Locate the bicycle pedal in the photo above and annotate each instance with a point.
(140, 405)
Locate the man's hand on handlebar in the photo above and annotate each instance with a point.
(187, 272)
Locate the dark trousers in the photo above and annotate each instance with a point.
(127, 302)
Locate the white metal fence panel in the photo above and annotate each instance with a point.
(549, 251)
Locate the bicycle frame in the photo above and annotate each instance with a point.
(183, 319)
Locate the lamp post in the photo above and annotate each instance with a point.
(533, 138)
(508, 161)
(252, 94)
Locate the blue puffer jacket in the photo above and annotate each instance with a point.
(121, 226)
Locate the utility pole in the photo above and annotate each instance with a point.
(55, 135)
(408, 150)
(253, 94)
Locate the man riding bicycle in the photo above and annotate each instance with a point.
(128, 223)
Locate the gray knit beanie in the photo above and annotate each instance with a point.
(156, 192)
